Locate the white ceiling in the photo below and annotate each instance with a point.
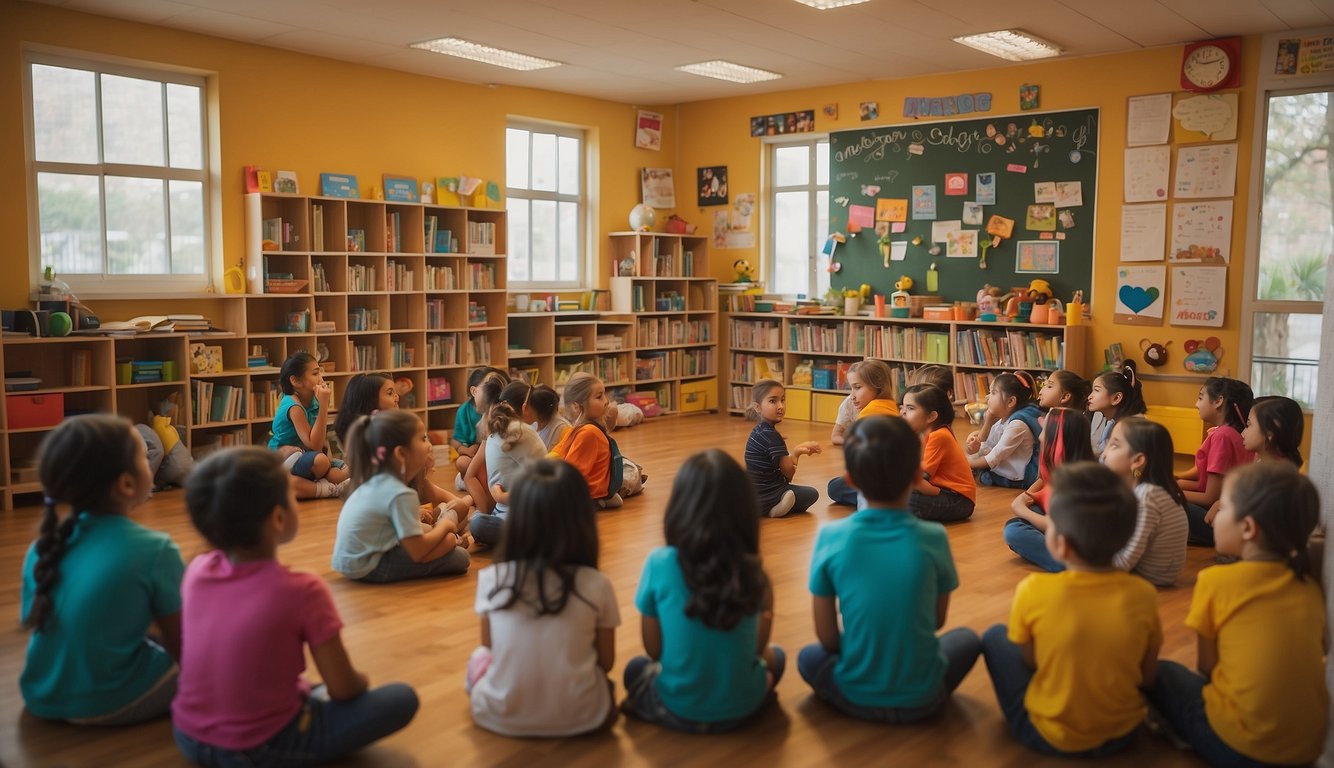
(625, 50)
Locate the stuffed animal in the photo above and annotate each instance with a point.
(745, 273)
(1039, 291)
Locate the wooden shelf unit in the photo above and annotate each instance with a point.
(390, 305)
(768, 345)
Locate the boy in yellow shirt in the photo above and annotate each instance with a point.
(1081, 643)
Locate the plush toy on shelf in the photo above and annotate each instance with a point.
(745, 272)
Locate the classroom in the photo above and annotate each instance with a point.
(863, 194)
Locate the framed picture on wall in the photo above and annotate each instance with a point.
(711, 181)
(1038, 257)
(648, 130)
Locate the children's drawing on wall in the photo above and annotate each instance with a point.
(1044, 191)
(924, 202)
(961, 244)
(1202, 232)
(732, 227)
(1067, 218)
(1199, 295)
(972, 214)
(1041, 217)
(830, 111)
(1028, 96)
(956, 183)
(657, 187)
(648, 130)
(1139, 295)
(712, 185)
(1037, 257)
(1069, 194)
(986, 189)
(870, 110)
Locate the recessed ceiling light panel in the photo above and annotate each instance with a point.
(1011, 44)
(498, 57)
(824, 5)
(726, 70)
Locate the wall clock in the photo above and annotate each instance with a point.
(1211, 64)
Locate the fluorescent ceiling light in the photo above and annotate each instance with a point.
(464, 49)
(1011, 44)
(824, 5)
(726, 70)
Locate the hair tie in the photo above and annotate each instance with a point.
(379, 453)
(1024, 377)
(1237, 408)
(374, 411)
(1128, 373)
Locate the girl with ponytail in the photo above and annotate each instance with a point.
(95, 580)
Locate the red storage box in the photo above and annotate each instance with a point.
(33, 411)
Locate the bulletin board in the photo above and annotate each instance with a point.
(1026, 154)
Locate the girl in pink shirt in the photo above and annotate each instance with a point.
(246, 623)
(1224, 405)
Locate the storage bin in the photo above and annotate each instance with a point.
(824, 406)
(798, 404)
(34, 411)
(1182, 423)
(699, 395)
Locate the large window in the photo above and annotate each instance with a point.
(544, 171)
(800, 221)
(119, 164)
(1296, 240)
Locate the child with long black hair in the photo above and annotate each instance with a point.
(1140, 452)
(1274, 430)
(1260, 695)
(544, 407)
(248, 620)
(707, 607)
(95, 580)
(1115, 394)
(549, 616)
(945, 490)
(1064, 440)
(1008, 456)
(1224, 405)
(300, 425)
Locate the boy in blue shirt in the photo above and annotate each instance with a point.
(889, 575)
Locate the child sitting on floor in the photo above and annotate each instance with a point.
(300, 425)
(1008, 456)
(768, 462)
(945, 491)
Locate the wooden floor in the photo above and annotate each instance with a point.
(422, 633)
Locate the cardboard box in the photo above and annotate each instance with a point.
(34, 411)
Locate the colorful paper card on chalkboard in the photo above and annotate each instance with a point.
(961, 244)
(400, 189)
(924, 202)
(956, 183)
(1000, 226)
(891, 209)
(1041, 218)
(861, 215)
(972, 214)
(1139, 295)
(1040, 257)
(986, 189)
(339, 185)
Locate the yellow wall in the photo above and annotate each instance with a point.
(718, 133)
(309, 114)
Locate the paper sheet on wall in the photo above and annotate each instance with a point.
(1148, 119)
(1146, 170)
(898, 251)
(1204, 117)
(1202, 232)
(1143, 232)
(940, 230)
(961, 244)
(1206, 171)
(1069, 194)
(1140, 295)
(1199, 296)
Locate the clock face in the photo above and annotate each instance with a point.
(1207, 66)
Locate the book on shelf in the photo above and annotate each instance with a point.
(479, 348)
(437, 391)
(530, 376)
(317, 227)
(80, 368)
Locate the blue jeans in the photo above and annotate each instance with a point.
(806, 496)
(1029, 543)
(947, 507)
(642, 700)
(816, 665)
(398, 565)
(486, 529)
(1010, 676)
(987, 477)
(1178, 695)
(1201, 533)
(842, 493)
(322, 730)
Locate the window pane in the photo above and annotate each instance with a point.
(791, 243)
(569, 165)
(569, 241)
(821, 235)
(136, 227)
(187, 227)
(518, 239)
(64, 111)
(792, 165)
(1296, 233)
(1286, 356)
(544, 240)
(822, 163)
(184, 128)
(544, 162)
(132, 121)
(70, 220)
(516, 158)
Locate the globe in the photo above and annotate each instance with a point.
(60, 324)
(642, 218)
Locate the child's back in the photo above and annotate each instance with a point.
(380, 513)
(503, 463)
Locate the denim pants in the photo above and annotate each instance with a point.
(486, 529)
(1201, 533)
(806, 496)
(642, 700)
(988, 477)
(841, 493)
(398, 565)
(1010, 676)
(1029, 543)
(816, 665)
(322, 730)
(947, 507)
(1178, 695)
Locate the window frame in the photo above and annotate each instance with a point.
(92, 285)
(771, 145)
(582, 204)
(1268, 86)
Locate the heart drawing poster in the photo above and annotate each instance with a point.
(1139, 295)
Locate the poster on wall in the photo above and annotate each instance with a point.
(711, 181)
(1199, 296)
(648, 130)
(657, 188)
(1146, 171)
(1209, 170)
(1139, 295)
(1202, 232)
(1143, 232)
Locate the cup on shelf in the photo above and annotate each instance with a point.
(880, 305)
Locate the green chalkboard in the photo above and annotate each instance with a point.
(1019, 151)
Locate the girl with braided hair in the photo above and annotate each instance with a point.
(95, 580)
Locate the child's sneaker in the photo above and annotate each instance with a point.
(611, 502)
(341, 489)
(784, 505)
(325, 489)
(459, 484)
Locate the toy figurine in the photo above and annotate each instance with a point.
(988, 299)
(1039, 291)
(745, 273)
